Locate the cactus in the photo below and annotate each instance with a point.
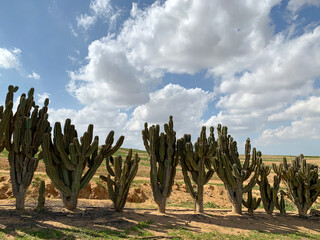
(251, 203)
(197, 161)
(41, 197)
(118, 187)
(302, 183)
(161, 148)
(23, 132)
(269, 194)
(66, 159)
(230, 170)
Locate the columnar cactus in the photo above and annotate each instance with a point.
(269, 195)
(66, 159)
(41, 197)
(23, 133)
(302, 182)
(197, 161)
(251, 203)
(118, 187)
(230, 170)
(161, 148)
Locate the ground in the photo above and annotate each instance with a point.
(95, 218)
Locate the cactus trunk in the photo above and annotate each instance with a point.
(21, 174)
(235, 196)
(199, 199)
(162, 205)
(70, 202)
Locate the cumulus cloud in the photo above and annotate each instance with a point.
(185, 38)
(110, 77)
(9, 58)
(34, 75)
(187, 107)
(258, 75)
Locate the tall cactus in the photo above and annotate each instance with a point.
(302, 182)
(66, 159)
(23, 133)
(230, 170)
(197, 161)
(269, 195)
(118, 187)
(161, 148)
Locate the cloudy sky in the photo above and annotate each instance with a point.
(253, 66)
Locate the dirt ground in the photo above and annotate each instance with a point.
(95, 210)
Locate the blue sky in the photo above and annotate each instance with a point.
(253, 66)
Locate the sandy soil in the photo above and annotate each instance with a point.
(95, 210)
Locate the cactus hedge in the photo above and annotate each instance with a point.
(302, 183)
(22, 134)
(120, 178)
(161, 148)
(231, 171)
(67, 158)
(197, 161)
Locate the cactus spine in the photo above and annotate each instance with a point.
(302, 182)
(269, 195)
(251, 203)
(197, 161)
(22, 135)
(41, 197)
(66, 159)
(230, 170)
(118, 187)
(161, 150)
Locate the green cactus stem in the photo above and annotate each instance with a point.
(269, 194)
(302, 183)
(230, 170)
(71, 163)
(120, 178)
(161, 148)
(41, 197)
(23, 132)
(252, 203)
(197, 161)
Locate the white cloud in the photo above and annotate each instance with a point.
(9, 59)
(283, 71)
(257, 74)
(295, 5)
(100, 9)
(34, 75)
(42, 97)
(109, 77)
(187, 107)
(195, 35)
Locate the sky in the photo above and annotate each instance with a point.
(253, 66)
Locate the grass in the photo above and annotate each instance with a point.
(183, 233)
(138, 230)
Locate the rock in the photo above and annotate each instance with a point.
(137, 195)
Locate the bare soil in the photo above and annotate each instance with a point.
(95, 210)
